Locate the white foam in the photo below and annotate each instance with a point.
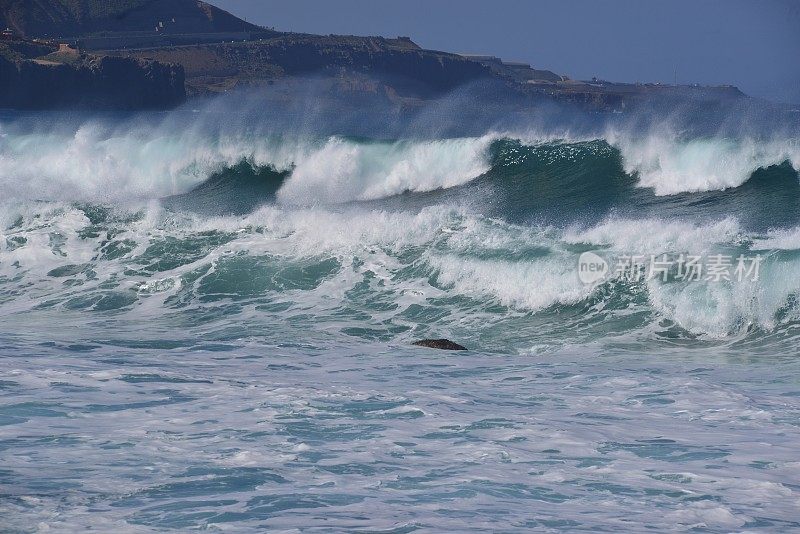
(107, 161)
(670, 164)
(713, 308)
(783, 239)
(343, 170)
(113, 162)
(484, 259)
(656, 236)
(523, 285)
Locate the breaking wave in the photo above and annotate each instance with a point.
(98, 160)
(670, 166)
(401, 237)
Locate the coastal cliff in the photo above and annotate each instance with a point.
(141, 54)
(89, 82)
(409, 69)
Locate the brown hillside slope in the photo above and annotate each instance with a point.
(74, 18)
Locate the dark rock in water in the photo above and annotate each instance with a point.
(442, 344)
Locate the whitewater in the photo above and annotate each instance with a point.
(207, 318)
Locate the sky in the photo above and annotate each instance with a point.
(753, 44)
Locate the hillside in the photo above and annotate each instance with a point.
(409, 69)
(179, 47)
(75, 18)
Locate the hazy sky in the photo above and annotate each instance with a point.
(754, 44)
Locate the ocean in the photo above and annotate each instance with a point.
(207, 318)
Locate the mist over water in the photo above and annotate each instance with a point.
(206, 317)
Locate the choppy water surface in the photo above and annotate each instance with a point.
(213, 331)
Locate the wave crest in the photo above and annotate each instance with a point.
(671, 165)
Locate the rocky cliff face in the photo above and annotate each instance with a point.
(92, 82)
(437, 71)
(409, 69)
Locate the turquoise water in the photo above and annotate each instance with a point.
(213, 331)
